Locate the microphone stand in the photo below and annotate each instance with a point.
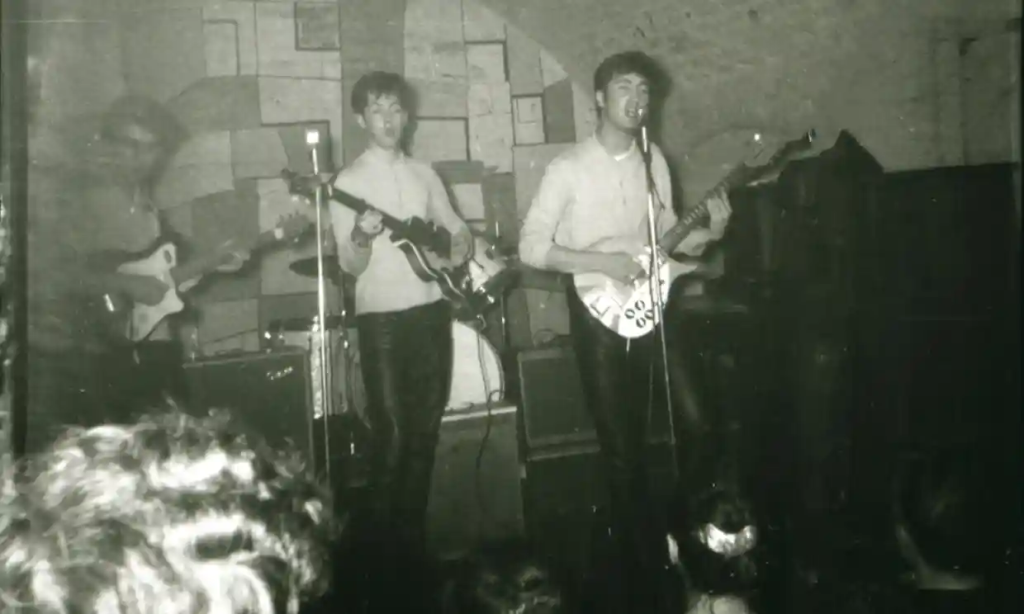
(655, 282)
(322, 401)
(501, 299)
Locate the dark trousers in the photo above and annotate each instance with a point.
(406, 359)
(69, 388)
(618, 382)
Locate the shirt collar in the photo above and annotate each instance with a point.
(377, 155)
(617, 158)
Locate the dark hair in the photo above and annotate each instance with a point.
(629, 63)
(709, 571)
(172, 513)
(380, 84)
(504, 577)
(943, 505)
(146, 113)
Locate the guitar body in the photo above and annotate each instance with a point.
(141, 320)
(427, 247)
(629, 310)
(123, 321)
(433, 268)
(128, 322)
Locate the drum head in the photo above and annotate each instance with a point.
(476, 369)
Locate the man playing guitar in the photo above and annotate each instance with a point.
(101, 203)
(590, 216)
(404, 324)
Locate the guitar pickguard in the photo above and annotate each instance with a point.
(143, 319)
(627, 309)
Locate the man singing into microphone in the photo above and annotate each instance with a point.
(591, 204)
(405, 327)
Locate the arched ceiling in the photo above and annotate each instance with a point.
(764, 64)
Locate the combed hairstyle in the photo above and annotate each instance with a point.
(630, 63)
(379, 83)
(948, 505)
(172, 514)
(710, 572)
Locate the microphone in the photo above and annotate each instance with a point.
(644, 143)
(312, 140)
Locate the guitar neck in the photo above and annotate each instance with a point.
(417, 231)
(204, 264)
(414, 230)
(361, 206)
(740, 175)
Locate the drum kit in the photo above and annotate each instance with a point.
(477, 376)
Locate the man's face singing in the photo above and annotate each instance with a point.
(384, 119)
(624, 101)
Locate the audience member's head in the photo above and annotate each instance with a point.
(172, 514)
(713, 539)
(947, 519)
(505, 578)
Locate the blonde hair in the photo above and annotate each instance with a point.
(170, 515)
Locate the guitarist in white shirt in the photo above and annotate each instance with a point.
(404, 324)
(590, 215)
(94, 201)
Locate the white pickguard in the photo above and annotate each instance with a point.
(628, 309)
(145, 318)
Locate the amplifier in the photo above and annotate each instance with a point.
(555, 416)
(269, 392)
(551, 393)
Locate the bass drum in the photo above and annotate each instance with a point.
(476, 369)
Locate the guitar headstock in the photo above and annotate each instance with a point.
(789, 149)
(761, 168)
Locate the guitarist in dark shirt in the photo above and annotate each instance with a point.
(95, 200)
(404, 323)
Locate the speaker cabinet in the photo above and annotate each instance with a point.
(555, 417)
(475, 493)
(268, 392)
(551, 394)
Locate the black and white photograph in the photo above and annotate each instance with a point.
(510, 307)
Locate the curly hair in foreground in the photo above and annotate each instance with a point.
(170, 515)
(504, 578)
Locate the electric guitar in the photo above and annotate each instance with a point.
(132, 322)
(629, 309)
(426, 246)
